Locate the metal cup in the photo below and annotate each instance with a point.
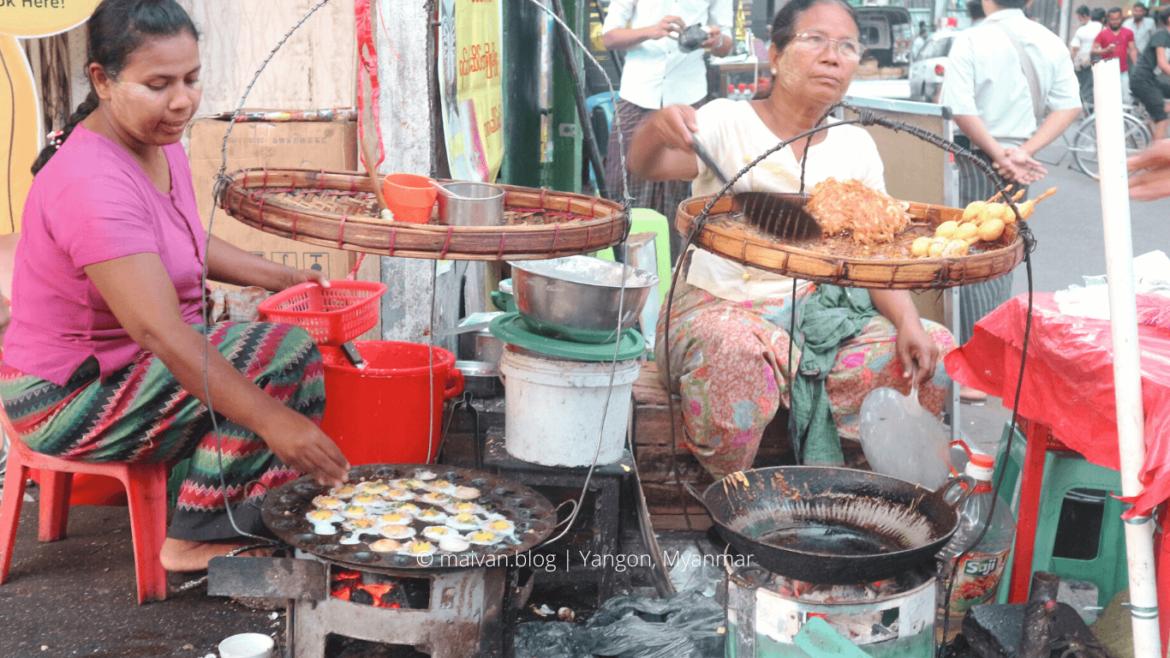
(482, 205)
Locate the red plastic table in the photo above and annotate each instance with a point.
(1068, 393)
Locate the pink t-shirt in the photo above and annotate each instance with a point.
(91, 203)
(1121, 42)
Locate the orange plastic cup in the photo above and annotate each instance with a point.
(409, 197)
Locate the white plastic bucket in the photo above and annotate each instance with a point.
(246, 645)
(553, 409)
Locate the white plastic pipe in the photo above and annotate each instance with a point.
(1065, 17)
(1139, 533)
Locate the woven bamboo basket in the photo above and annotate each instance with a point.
(727, 235)
(337, 209)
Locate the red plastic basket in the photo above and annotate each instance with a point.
(333, 315)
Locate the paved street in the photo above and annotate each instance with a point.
(1069, 229)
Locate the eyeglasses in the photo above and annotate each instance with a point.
(849, 49)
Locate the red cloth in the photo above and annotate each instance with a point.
(1121, 41)
(1068, 382)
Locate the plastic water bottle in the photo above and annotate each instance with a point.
(978, 576)
(731, 93)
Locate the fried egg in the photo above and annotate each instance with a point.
(373, 487)
(502, 526)
(464, 521)
(386, 546)
(437, 532)
(397, 531)
(460, 508)
(408, 484)
(393, 518)
(353, 511)
(419, 548)
(357, 528)
(436, 497)
(364, 523)
(483, 537)
(399, 494)
(408, 508)
(364, 499)
(323, 521)
(425, 475)
(454, 543)
(343, 492)
(431, 515)
(328, 502)
(466, 493)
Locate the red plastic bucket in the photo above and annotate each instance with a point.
(378, 415)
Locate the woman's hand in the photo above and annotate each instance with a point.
(661, 149)
(303, 447)
(297, 277)
(1152, 178)
(917, 351)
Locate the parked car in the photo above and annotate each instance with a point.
(887, 34)
(927, 71)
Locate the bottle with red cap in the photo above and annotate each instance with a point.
(978, 576)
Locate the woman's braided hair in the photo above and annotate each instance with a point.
(116, 29)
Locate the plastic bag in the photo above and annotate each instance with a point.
(687, 625)
(903, 440)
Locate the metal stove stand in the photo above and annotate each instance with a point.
(605, 486)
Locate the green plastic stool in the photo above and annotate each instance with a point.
(1064, 472)
(645, 220)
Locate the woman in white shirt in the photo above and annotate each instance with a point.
(729, 340)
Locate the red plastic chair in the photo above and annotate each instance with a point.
(146, 489)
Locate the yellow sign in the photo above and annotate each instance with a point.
(20, 118)
(42, 18)
(472, 95)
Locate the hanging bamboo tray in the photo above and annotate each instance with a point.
(838, 261)
(337, 209)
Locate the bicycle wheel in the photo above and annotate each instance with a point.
(1084, 147)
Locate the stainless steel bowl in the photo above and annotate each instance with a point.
(577, 297)
(481, 379)
(480, 204)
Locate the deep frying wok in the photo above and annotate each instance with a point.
(832, 525)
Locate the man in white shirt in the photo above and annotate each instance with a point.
(657, 73)
(1081, 48)
(992, 101)
(919, 41)
(1141, 26)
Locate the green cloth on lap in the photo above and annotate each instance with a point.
(826, 318)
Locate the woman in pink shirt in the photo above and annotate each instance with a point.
(105, 357)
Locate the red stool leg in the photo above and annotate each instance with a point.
(10, 503)
(1031, 481)
(1162, 566)
(146, 489)
(55, 489)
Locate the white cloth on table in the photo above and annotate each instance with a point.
(984, 75)
(735, 135)
(656, 73)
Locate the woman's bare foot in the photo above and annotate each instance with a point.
(181, 555)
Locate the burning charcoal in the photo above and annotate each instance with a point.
(360, 595)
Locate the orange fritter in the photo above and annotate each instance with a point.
(871, 216)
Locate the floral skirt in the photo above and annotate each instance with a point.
(729, 362)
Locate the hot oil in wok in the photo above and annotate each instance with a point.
(829, 538)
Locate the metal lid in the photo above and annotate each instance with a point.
(512, 329)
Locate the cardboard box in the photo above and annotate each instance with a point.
(331, 146)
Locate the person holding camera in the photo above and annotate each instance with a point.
(658, 73)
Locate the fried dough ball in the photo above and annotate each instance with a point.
(920, 248)
(946, 229)
(966, 231)
(990, 230)
(974, 211)
(937, 246)
(954, 248)
(993, 211)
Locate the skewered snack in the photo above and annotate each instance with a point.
(871, 216)
(981, 220)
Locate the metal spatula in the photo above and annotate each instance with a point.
(781, 215)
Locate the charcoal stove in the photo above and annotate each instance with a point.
(893, 618)
(448, 604)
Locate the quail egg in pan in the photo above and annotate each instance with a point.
(398, 494)
(465, 507)
(464, 521)
(357, 528)
(323, 520)
(353, 511)
(373, 487)
(483, 538)
(386, 546)
(328, 502)
(409, 508)
(364, 499)
(394, 518)
(431, 515)
(438, 532)
(425, 475)
(501, 526)
(343, 492)
(418, 549)
(436, 497)
(466, 493)
(454, 543)
(397, 531)
(409, 484)
(441, 485)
